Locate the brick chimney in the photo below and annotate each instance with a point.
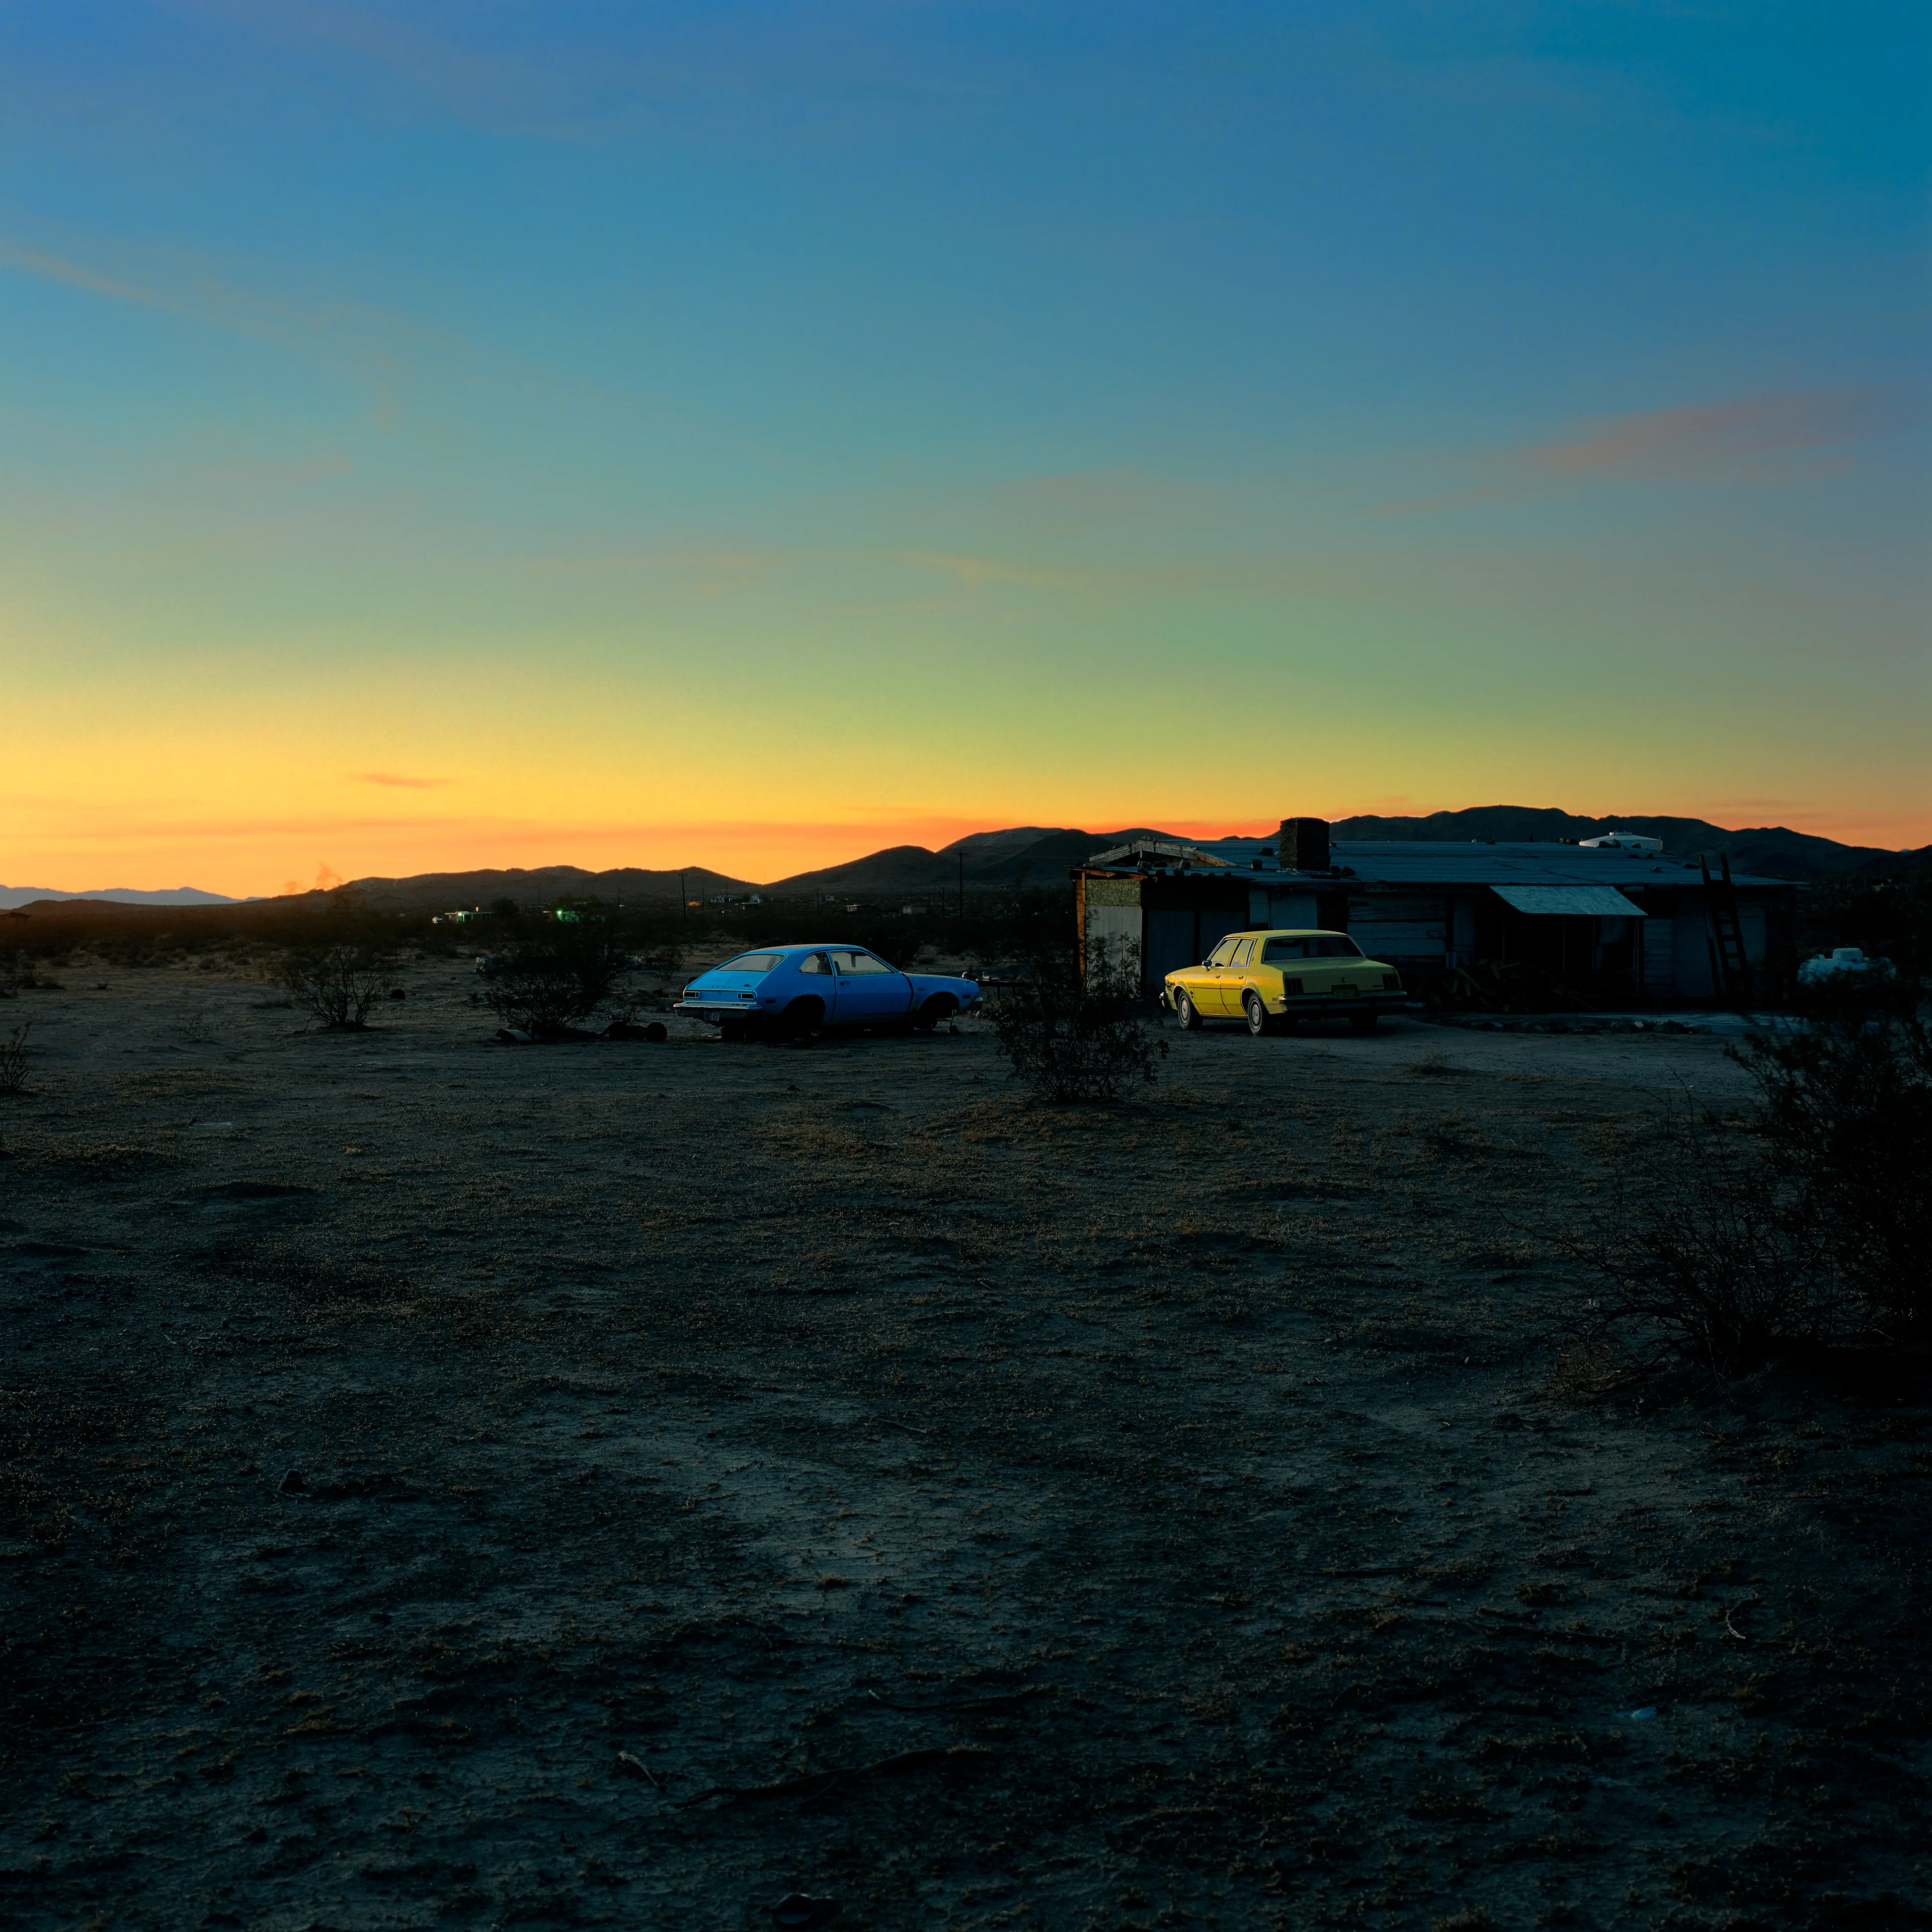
(1302, 845)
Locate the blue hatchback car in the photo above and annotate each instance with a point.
(796, 989)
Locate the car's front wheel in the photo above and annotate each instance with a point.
(1185, 1011)
(940, 1006)
(1257, 1013)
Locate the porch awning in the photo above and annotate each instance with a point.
(1589, 901)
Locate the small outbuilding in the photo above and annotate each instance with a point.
(1654, 927)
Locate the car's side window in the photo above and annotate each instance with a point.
(1242, 949)
(856, 962)
(814, 962)
(1220, 956)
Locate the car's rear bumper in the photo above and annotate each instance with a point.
(1315, 1005)
(1362, 1003)
(715, 1010)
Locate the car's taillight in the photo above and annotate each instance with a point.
(1291, 985)
(1391, 982)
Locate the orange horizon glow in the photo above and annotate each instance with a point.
(324, 851)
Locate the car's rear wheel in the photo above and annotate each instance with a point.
(940, 1006)
(1257, 1013)
(1185, 1011)
(801, 1016)
(1364, 1022)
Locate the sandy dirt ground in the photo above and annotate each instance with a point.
(728, 1471)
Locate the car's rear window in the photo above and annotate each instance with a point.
(1316, 945)
(752, 962)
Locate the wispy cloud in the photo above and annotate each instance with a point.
(973, 573)
(1083, 499)
(538, 86)
(269, 475)
(708, 562)
(582, 73)
(54, 269)
(1708, 438)
(377, 348)
(396, 779)
(1444, 499)
(1747, 439)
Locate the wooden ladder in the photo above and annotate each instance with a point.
(1730, 972)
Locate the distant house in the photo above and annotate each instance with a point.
(1628, 913)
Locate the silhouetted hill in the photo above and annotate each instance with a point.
(1775, 850)
(1910, 865)
(1026, 853)
(171, 896)
(1040, 855)
(539, 885)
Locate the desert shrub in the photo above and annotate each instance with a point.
(14, 1061)
(1845, 1118)
(338, 982)
(1075, 1039)
(1809, 1221)
(19, 973)
(557, 977)
(1705, 1246)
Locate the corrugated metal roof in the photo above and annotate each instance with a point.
(1422, 861)
(1570, 902)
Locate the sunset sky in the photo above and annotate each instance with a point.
(484, 433)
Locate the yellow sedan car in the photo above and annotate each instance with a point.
(1271, 979)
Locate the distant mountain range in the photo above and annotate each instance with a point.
(1771, 849)
(541, 886)
(1040, 855)
(11, 896)
(1037, 853)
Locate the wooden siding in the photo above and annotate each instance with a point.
(1411, 928)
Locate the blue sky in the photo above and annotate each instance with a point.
(507, 433)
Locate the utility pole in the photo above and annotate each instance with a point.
(962, 885)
